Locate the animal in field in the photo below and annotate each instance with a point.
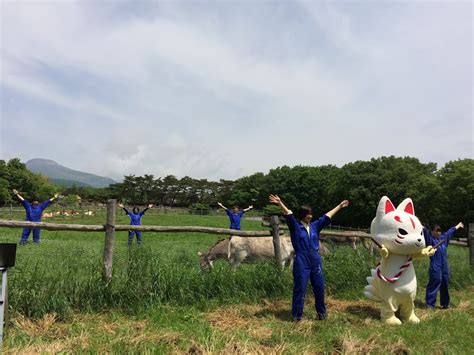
(238, 250)
(89, 213)
(251, 249)
(393, 281)
(352, 241)
(220, 250)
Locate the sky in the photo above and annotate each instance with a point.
(225, 89)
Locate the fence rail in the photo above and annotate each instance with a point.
(126, 227)
(110, 227)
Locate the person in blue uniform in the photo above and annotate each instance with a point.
(439, 271)
(307, 261)
(135, 220)
(34, 212)
(235, 215)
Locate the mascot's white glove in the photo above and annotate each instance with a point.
(383, 252)
(428, 251)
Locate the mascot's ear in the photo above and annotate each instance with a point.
(385, 206)
(407, 206)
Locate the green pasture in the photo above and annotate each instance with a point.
(159, 301)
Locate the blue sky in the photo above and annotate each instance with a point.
(224, 89)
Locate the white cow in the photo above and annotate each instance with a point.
(250, 249)
(237, 250)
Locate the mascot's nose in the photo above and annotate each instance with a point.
(419, 240)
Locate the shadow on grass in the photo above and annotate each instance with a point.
(420, 304)
(281, 314)
(363, 311)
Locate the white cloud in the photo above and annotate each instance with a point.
(221, 91)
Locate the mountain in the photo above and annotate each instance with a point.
(61, 175)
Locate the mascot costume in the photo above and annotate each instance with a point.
(399, 235)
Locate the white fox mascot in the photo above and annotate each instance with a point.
(393, 282)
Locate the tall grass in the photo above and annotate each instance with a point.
(63, 273)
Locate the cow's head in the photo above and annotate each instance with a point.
(204, 262)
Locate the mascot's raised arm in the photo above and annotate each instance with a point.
(393, 281)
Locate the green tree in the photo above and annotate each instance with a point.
(457, 192)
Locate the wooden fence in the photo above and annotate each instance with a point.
(110, 227)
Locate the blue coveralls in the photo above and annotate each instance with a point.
(439, 270)
(235, 218)
(307, 264)
(33, 214)
(135, 220)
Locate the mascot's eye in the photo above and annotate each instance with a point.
(402, 231)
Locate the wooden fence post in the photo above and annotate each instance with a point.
(276, 240)
(471, 243)
(109, 239)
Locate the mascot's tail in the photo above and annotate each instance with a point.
(371, 291)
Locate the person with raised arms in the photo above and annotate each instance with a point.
(34, 211)
(439, 269)
(235, 215)
(307, 264)
(135, 220)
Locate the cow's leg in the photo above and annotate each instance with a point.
(353, 245)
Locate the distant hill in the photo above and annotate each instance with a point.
(63, 176)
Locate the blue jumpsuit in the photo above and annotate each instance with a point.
(307, 264)
(33, 214)
(439, 270)
(234, 218)
(135, 220)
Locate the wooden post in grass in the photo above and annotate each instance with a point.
(109, 239)
(276, 239)
(471, 243)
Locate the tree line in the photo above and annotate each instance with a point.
(443, 196)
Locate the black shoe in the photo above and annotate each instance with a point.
(321, 316)
(444, 307)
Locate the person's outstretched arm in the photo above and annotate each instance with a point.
(222, 206)
(450, 232)
(123, 207)
(146, 209)
(49, 201)
(336, 209)
(325, 219)
(290, 219)
(248, 208)
(18, 195)
(276, 200)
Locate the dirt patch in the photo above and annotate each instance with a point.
(350, 344)
(62, 338)
(230, 319)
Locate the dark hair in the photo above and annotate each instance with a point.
(303, 211)
(135, 209)
(437, 228)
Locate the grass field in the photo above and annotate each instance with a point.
(160, 302)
